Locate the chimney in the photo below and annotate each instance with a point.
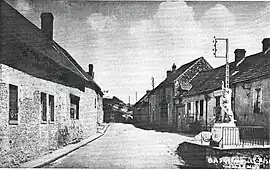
(266, 44)
(47, 24)
(90, 72)
(173, 67)
(169, 73)
(239, 54)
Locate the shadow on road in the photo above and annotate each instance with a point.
(160, 128)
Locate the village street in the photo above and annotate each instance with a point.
(125, 146)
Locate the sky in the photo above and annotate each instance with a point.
(128, 42)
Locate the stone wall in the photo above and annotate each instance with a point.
(154, 109)
(100, 109)
(244, 103)
(141, 114)
(169, 100)
(32, 138)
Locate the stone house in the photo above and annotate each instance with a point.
(141, 110)
(114, 108)
(250, 84)
(162, 104)
(46, 99)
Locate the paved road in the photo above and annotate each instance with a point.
(125, 146)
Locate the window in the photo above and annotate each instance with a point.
(197, 109)
(13, 104)
(258, 100)
(217, 101)
(51, 107)
(43, 107)
(74, 106)
(95, 103)
(201, 107)
(189, 108)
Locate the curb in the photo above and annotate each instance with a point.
(64, 153)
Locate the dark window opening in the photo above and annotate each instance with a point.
(74, 106)
(197, 109)
(257, 104)
(201, 107)
(44, 107)
(217, 101)
(95, 103)
(189, 108)
(51, 107)
(13, 104)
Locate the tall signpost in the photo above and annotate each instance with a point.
(227, 118)
(226, 56)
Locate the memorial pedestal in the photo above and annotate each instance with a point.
(225, 134)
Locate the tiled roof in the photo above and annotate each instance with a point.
(252, 67)
(175, 74)
(112, 101)
(90, 80)
(15, 28)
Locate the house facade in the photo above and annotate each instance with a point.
(47, 99)
(162, 104)
(249, 81)
(114, 109)
(141, 110)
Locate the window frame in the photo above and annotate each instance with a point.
(43, 102)
(51, 108)
(257, 105)
(14, 121)
(74, 100)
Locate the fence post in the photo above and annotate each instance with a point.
(243, 137)
(201, 138)
(221, 137)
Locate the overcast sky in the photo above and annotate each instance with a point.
(129, 42)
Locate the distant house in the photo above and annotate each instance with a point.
(114, 109)
(161, 99)
(141, 110)
(46, 99)
(250, 84)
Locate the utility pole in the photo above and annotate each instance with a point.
(128, 99)
(136, 95)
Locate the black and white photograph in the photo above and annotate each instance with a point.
(134, 84)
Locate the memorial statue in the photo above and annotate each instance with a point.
(226, 106)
